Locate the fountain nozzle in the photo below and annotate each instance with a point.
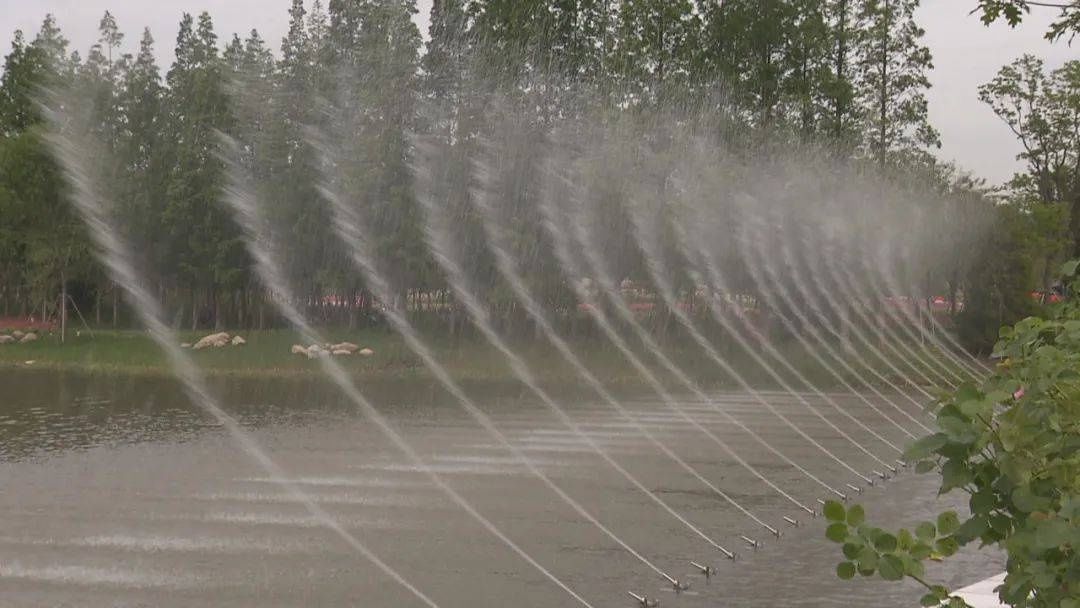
(707, 571)
(644, 601)
(676, 585)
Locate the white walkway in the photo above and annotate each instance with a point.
(981, 594)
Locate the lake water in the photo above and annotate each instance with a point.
(115, 492)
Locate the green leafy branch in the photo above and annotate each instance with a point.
(1013, 445)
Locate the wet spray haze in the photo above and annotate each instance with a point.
(558, 213)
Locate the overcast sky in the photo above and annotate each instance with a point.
(966, 54)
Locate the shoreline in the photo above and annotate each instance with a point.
(469, 360)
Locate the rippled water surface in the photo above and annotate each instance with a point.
(115, 492)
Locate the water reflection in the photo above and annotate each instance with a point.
(116, 493)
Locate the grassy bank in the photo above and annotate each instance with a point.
(267, 354)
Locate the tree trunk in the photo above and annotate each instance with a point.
(115, 305)
(215, 303)
(840, 68)
(884, 92)
(194, 310)
(63, 307)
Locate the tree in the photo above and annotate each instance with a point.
(110, 36)
(655, 49)
(1013, 11)
(46, 238)
(842, 121)
(1010, 445)
(893, 78)
(141, 155)
(203, 246)
(1043, 111)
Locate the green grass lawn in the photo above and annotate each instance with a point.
(267, 353)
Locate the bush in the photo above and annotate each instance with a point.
(1013, 445)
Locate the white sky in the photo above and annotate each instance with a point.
(966, 54)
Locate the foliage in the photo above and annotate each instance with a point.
(1043, 111)
(996, 290)
(895, 76)
(1013, 12)
(1013, 445)
(846, 75)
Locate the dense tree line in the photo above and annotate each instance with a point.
(848, 77)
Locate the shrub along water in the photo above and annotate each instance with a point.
(1013, 445)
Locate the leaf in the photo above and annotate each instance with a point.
(967, 392)
(1025, 500)
(947, 546)
(891, 568)
(926, 446)
(925, 466)
(954, 474)
(912, 566)
(948, 522)
(1068, 269)
(926, 531)
(1051, 534)
(837, 532)
(856, 515)
(851, 550)
(1001, 524)
(929, 600)
(904, 540)
(921, 550)
(885, 543)
(846, 571)
(867, 559)
(834, 511)
(982, 408)
(983, 501)
(973, 528)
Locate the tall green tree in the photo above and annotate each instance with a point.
(1043, 110)
(203, 246)
(893, 79)
(655, 49)
(1067, 23)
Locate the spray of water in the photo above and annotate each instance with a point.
(497, 239)
(648, 239)
(240, 197)
(850, 289)
(740, 339)
(74, 149)
(694, 252)
(808, 295)
(439, 241)
(575, 225)
(838, 294)
(712, 265)
(769, 285)
(936, 351)
(355, 235)
(977, 368)
(820, 293)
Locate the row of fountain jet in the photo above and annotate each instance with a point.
(800, 252)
